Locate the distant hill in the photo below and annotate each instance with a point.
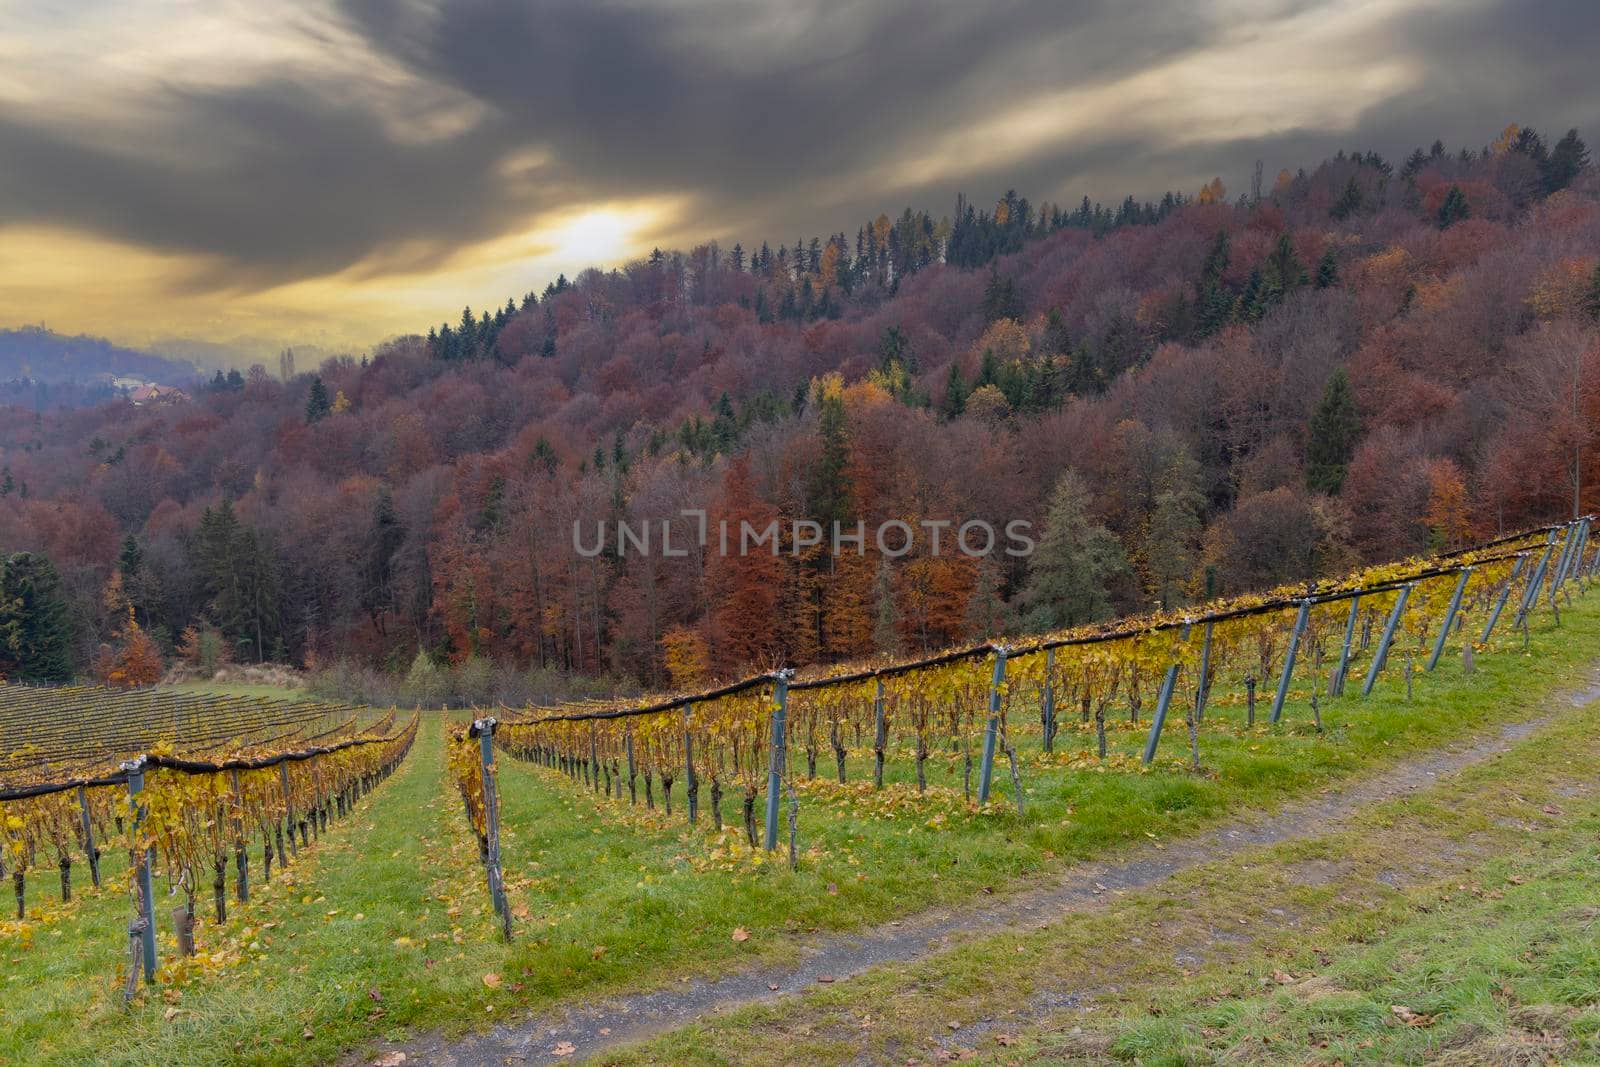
(53, 358)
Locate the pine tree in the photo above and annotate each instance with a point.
(1214, 302)
(1454, 208)
(8, 484)
(35, 622)
(1349, 201)
(1169, 548)
(955, 392)
(1000, 300)
(467, 335)
(386, 536)
(1074, 563)
(1566, 161)
(1328, 269)
(1283, 266)
(1335, 428)
(317, 403)
(130, 566)
(1413, 165)
(829, 489)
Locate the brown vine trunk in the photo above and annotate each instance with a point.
(219, 887)
(183, 928)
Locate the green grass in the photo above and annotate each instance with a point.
(1505, 970)
(611, 898)
(1471, 905)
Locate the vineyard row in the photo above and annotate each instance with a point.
(978, 704)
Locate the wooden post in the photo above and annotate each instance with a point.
(241, 855)
(1047, 702)
(691, 784)
(992, 729)
(1449, 618)
(594, 755)
(1289, 657)
(633, 769)
(1250, 701)
(484, 730)
(143, 928)
(1568, 544)
(1336, 687)
(880, 735)
(88, 837)
(1575, 564)
(288, 814)
(1531, 591)
(1168, 684)
(1505, 593)
(1382, 654)
(778, 755)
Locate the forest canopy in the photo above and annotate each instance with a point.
(1204, 394)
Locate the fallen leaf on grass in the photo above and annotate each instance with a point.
(565, 1048)
(1409, 1017)
(1005, 1040)
(492, 980)
(741, 934)
(597, 952)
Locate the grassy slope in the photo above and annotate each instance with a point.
(1471, 906)
(610, 898)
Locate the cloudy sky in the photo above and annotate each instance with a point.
(336, 171)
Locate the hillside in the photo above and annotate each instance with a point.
(46, 356)
(1182, 358)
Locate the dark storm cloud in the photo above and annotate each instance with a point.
(770, 118)
(701, 96)
(275, 180)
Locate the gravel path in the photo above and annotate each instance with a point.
(591, 1027)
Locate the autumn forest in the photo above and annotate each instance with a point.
(1222, 390)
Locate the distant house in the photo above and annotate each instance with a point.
(150, 393)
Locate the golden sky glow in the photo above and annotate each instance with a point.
(142, 296)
